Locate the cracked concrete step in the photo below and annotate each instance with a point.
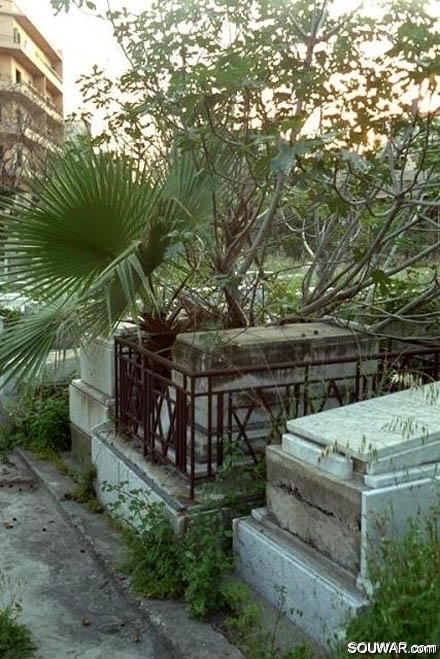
(316, 594)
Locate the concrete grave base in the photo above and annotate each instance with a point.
(312, 592)
(341, 482)
(119, 462)
(81, 447)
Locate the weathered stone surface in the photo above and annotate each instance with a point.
(380, 428)
(88, 407)
(81, 445)
(426, 453)
(97, 364)
(269, 345)
(313, 454)
(243, 399)
(336, 538)
(322, 511)
(392, 478)
(343, 499)
(116, 464)
(387, 513)
(316, 594)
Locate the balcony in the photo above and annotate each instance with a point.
(31, 59)
(48, 67)
(33, 95)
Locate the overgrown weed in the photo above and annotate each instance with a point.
(84, 491)
(405, 601)
(39, 421)
(196, 566)
(15, 638)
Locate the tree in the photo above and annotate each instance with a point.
(251, 120)
(316, 114)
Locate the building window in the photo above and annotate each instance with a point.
(17, 36)
(17, 76)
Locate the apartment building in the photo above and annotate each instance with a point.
(31, 98)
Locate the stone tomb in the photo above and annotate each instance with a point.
(235, 351)
(340, 482)
(92, 396)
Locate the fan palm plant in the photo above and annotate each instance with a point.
(86, 246)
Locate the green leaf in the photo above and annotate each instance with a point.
(284, 160)
(381, 280)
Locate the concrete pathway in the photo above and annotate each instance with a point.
(61, 562)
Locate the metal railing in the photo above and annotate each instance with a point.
(191, 420)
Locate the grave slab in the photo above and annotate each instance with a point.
(323, 361)
(380, 428)
(314, 454)
(393, 447)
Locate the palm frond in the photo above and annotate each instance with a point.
(86, 246)
(92, 208)
(26, 345)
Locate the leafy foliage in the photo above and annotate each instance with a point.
(87, 246)
(153, 552)
(205, 562)
(162, 564)
(40, 420)
(311, 118)
(256, 123)
(256, 73)
(406, 601)
(15, 638)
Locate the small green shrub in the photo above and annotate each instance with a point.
(239, 485)
(40, 420)
(257, 636)
(196, 566)
(244, 621)
(15, 638)
(154, 557)
(6, 446)
(153, 551)
(206, 559)
(164, 565)
(405, 604)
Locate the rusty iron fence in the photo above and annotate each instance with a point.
(191, 420)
